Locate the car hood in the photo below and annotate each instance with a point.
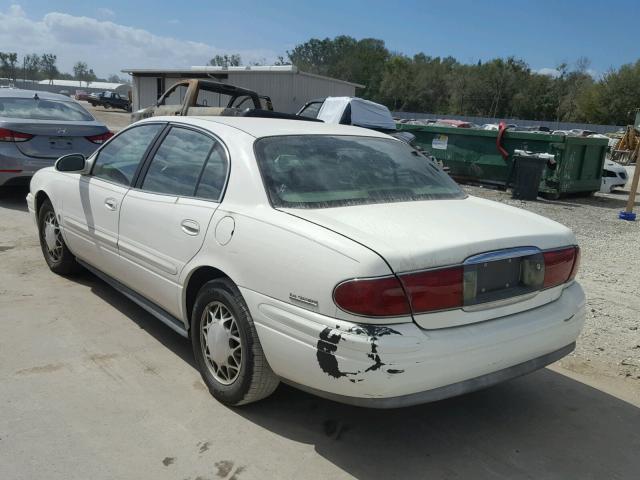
(433, 233)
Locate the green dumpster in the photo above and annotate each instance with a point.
(472, 155)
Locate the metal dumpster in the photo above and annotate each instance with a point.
(472, 155)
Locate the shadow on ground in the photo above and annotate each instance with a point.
(14, 198)
(543, 425)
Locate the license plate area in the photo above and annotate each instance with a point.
(60, 143)
(501, 275)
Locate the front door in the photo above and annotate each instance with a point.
(91, 204)
(164, 220)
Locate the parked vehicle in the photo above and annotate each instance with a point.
(205, 97)
(354, 111)
(37, 127)
(614, 176)
(110, 100)
(81, 95)
(350, 111)
(331, 257)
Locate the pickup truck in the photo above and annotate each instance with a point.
(205, 97)
(110, 100)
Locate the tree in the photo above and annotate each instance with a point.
(48, 66)
(83, 73)
(225, 61)
(344, 57)
(31, 66)
(8, 63)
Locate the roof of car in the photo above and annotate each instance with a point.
(19, 93)
(269, 127)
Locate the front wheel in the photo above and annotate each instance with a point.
(226, 346)
(58, 257)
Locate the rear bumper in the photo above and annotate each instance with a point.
(452, 390)
(17, 168)
(399, 365)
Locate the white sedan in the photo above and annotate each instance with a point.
(334, 258)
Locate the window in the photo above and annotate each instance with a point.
(311, 110)
(213, 175)
(119, 159)
(319, 171)
(36, 109)
(188, 163)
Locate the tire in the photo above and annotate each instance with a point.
(58, 257)
(236, 381)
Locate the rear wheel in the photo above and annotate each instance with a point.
(55, 251)
(226, 346)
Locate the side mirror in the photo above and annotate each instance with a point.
(74, 162)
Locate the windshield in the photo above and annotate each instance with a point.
(319, 171)
(31, 109)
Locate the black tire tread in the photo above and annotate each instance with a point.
(262, 380)
(68, 264)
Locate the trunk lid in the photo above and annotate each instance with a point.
(414, 236)
(53, 139)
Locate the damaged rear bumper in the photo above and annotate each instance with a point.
(401, 364)
(447, 391)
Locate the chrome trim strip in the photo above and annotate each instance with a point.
(503, 254)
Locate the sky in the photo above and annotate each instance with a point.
(119, 34)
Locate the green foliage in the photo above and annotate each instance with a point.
(232, 60)
(83, 73)
(500, 87)
(48, 66)
(358, 61)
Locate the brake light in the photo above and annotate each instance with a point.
(378, 297)
(386, 297)
(434, 289)
(560, 266)
(7, 135)
(103, 137)
(444, 288)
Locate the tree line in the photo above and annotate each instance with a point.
(35, 67)
(502, 87)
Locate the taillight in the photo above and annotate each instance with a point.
(434, 289)
(386, 297)
(103, 137)
(455, 287)
(560, 266)
(378, 297)
(7, 135)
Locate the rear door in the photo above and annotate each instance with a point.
(164, 220)
(91, 203)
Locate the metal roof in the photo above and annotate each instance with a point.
(79, 84)
(208, 69)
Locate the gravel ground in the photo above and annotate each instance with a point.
(610, 274)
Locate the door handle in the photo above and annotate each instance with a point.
(111, 203)
(190, 227)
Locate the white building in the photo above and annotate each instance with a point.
(288, 87)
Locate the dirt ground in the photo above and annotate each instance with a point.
(116, 120)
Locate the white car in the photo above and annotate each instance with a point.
(614, 176)
(334, 258)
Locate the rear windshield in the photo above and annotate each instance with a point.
(31, 109)
(320, 171)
